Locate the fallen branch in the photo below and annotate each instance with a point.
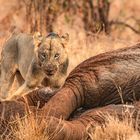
(124, 24)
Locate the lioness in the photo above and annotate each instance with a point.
(33, 60)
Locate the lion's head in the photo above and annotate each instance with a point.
(51, 52)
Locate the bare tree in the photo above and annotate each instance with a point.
(41, 15)
(95, 15)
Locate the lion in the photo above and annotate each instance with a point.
(35, 61)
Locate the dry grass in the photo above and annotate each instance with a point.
(29, 128)
(33, 127)
(115, 129)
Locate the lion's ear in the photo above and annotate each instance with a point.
(37, 39)
(65, 38)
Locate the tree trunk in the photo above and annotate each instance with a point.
(40, 15)
(95, 15)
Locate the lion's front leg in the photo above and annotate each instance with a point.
(21, 91)
(27, 87)
(33, 79)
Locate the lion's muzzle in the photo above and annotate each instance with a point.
(50, 69)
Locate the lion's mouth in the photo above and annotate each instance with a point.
(50, 74)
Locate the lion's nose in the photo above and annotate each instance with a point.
(49, 70)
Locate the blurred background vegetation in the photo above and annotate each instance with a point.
(94, 26)
(41, 15)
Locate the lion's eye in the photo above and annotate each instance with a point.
(43, 56)
(57, 55)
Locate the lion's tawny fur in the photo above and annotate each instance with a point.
(34, 60)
